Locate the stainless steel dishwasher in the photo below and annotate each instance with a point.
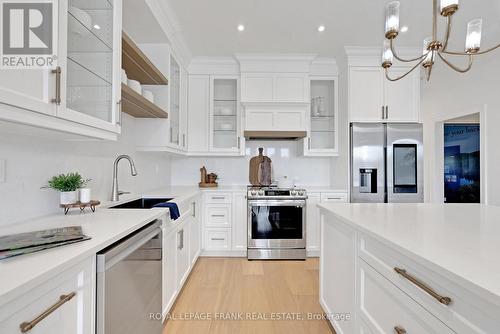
(129, 280)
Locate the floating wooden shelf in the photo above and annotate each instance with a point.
(138, 106)
(138, 66)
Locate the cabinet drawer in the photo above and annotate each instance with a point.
(334, 197)
(218, 215)
(466, 313)
(218, 239)
(218, 197)
(384, 308)
(65, 303)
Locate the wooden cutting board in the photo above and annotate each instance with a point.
(256, 165)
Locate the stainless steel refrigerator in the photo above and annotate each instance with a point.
(386, 163)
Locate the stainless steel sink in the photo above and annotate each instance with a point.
(141, 203)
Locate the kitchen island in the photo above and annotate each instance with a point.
(410, 268)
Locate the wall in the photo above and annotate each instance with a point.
(286, 157)
(32, 160)
(450, 95)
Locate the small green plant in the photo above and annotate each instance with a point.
(67, 182)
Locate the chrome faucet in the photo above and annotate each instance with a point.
(115, 196)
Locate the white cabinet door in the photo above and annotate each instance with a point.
(198, 113)
(169, 270)
(337, 264)
(195, 232)
(174, 95)
(90, 61)
(291, 88)
(366, 94)
(402, 97)
(183, 259)
(75, 315)
(183, 119)
(313, 224)
(257, 87)
(239, 223)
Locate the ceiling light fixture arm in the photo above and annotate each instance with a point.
(448, 32)
(456, 68)
(404, 75)
(394, 53)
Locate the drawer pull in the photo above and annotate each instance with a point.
(218, 197)
(27, 326)
(218, 215)
(217, 239)
(399, 330)
(334, 198)
(423, 286)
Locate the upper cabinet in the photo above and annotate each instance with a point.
(90, 63)
(175, 102)
(80, 94)
(274, 87)
(323, 117)
(373, 98)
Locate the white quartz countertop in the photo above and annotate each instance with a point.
(460, 240)
(105, 226)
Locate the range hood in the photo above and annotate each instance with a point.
(274, 135)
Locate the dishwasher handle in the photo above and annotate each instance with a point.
(122, 249)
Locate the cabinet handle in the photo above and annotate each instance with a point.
(423, 286)
(386, 112)
(309, 142)
(218, 197)
(181, 239)
(194, 209)
(218, 215)
(399, 330)
(27, 326)
(119, 121)
(383, 112)
(334, 198)
(183, 140)
(239, 142)
(57, 72)
(217, 239)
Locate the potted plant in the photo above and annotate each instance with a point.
(67, 185)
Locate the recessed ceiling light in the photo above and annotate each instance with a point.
(96, 26)
(404, 28)
(321, 28)
(241, 27)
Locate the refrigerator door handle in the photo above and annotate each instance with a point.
(383, 112)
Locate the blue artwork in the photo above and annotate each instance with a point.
(462, 163)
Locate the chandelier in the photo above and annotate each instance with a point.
(433, 47)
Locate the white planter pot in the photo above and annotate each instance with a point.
(68, 197)
(85, 195)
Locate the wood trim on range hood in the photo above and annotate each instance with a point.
(275, 135)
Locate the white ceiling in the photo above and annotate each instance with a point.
(290, 26)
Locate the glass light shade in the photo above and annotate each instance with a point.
(445, 4)
(392, 17)
(387, 56)
(428, 59)
(473, 40)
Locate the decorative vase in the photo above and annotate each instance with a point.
(68, 197)
(85, 195)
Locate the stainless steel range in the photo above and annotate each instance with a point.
(276, 223)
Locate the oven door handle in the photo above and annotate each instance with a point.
(296, 203)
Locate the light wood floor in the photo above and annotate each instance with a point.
(250, 289)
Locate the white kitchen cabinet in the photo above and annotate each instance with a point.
(239, 223)
(217, 239)
(373, 98)
(313, 224)
(90, 63)
(174, 97)
(183, 256)
(274, 87)
(198, 113)
(338, 272)
(225, 127)
(195, 232)
(71, 293)
(169, 270)
(322, 132)
(218, 215)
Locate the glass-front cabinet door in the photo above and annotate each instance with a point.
(225, 115)
(91, 65)
(322, 137)
(175, 101)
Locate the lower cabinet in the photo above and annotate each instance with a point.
(240, 226)
(169, 270)
(67, 300)
(183, 259)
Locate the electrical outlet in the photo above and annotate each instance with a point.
(2, 171)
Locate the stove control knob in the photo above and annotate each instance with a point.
(261, 193)
(293, 193)
(301, 193)
(253, 192)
